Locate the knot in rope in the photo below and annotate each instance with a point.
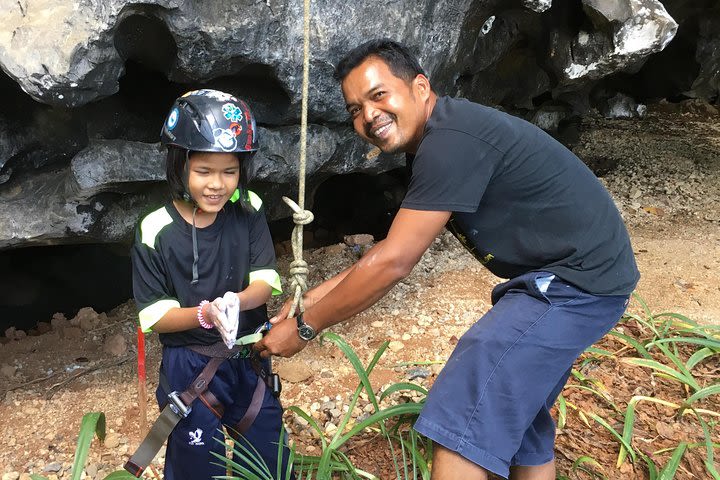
(298, 267)
(299, 271)
(303, 217)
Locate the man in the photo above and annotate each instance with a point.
(530, 211)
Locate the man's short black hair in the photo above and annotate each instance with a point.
(397, 56)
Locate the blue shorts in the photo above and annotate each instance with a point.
(491, 403)
(190, 443)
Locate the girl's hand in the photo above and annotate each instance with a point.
(224, 313)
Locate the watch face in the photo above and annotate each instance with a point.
(306, 332)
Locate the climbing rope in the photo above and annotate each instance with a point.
(301, 217)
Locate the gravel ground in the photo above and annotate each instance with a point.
(662, 171)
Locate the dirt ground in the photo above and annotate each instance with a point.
(664, 173)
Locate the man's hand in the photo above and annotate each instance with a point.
(282, 339)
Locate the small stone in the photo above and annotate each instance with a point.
(330, 428)
(112, 440)
(406, 337)
(377, 324)
(43, 327)
(369, 408)
(335, 250)
(86, 318)
(11, 476)
(8, 370)
(10, 333)
(359, 239)
(25, 476)
(396, 346)
(115, 345)
(91, 470)
(53, 467)
(71, 333)
(418, 372)
(335, 413)
(294, 371)
(310, 448)
(301, 421)
(59, 321)
(327, 406)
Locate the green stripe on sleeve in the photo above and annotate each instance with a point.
(150, 315)
(268, 276)
(152, 224)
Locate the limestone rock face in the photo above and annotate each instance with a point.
(86, 86)
(627, 32)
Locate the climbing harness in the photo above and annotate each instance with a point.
(179, 404)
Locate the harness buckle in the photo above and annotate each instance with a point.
(177, 405)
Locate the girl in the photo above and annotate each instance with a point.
(210, 242)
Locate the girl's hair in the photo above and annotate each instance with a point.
(176, 173)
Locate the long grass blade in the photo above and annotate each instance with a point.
(397, 387)
(562, 412)
(659, 367)
(699, 356)
(628, 340)
(652, 467)
(92, 424)
(709, 448)
(668, 472)
(579, 465)
(700, 394)
(615, 434)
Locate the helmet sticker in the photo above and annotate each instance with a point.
(232, 112)
(173, 118)
(214, 94)
(236, 129)
(225, 139)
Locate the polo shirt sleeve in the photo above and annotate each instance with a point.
(150, 287)
(450, 172)
(262, 251)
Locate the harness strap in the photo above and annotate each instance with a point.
(254, 409)
(179, 406)
(171, 414)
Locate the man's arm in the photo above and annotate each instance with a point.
(384, 265)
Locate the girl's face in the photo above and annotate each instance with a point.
(212, 179)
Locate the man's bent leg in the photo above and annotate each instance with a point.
(539, 472)
(448, 465)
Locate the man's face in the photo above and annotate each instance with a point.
(386, 110)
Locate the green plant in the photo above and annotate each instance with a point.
(661, 342)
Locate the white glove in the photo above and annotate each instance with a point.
(227, 310)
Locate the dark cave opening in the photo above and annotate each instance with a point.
(37, 282)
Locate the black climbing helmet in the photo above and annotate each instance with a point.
(210, 121)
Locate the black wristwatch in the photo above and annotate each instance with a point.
(305, 331)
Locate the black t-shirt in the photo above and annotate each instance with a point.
(520, 200)
(232, 252)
